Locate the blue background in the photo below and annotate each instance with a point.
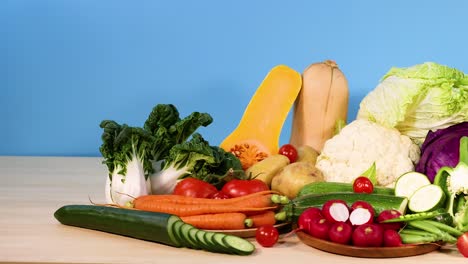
(67, 65)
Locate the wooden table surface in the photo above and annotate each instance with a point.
(32, 188)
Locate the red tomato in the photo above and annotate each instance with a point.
(267, 235)
(462, 244)
(289, 151)
(220, 195)
(236, 187)
(194, 188)
(363, 185)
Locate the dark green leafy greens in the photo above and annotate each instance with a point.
(126, 153)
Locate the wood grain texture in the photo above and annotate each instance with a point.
(32, 188)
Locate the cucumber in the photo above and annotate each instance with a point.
(176, 230)
(427, 198)
(409, 182)
(237, 245)
(379, 202)
(157, 227)
(331, 187)
(185, 232)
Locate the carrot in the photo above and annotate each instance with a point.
(264, 218)
(194, 209)
(179, 199)
(223, 221)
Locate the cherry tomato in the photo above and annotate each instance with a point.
(236, 187)
(267, 235)
(194, 188)
(363, 185)
(289, 151)
(220, 195)
(462, 244)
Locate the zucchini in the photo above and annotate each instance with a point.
(427, 198)
(156, 227)
(331, 187)
(409, 182)
(379, 202)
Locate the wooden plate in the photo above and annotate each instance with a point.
(250, 232)
(366, 252)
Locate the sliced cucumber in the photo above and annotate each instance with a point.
(218, 239)
(426, 198)
(177, 230)
(409, 182)
(185, 233)
(238, 245)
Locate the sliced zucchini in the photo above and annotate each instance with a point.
(409, 182)
(426, 198)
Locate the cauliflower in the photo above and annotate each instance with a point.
(351, 152)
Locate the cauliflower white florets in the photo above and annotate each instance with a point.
(360, 143)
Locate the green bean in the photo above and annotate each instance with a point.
(444, 227)
(416, 239)
(444, 236)
(416, 216)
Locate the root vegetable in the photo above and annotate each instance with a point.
(368, 235)
(319, 228)
(360, 216)
(391, 238)
(307, 154)
(306, 218)
(340, 233)
(266, 169)
(335, 211)
(389, 214)
(294, 176)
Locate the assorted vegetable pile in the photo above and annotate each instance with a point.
(397, 175)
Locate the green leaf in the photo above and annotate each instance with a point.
(371, 173)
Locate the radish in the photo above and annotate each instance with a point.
(368, 235)
(319, 228)
(391, 238)
(335, 211)
(389, 214)
(360, 216)
(363, 204)
(306, 218)
(340, 233)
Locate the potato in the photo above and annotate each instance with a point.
(307, 153)
(265, 169)
(294, 176)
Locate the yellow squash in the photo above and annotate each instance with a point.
(258, 132)
(320, 106)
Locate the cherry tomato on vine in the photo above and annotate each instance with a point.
(462, 244)
(267, 235)
(289, 151)
(237, 187)
(363, 185)
(194, 188)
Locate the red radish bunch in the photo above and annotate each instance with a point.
(356, 225)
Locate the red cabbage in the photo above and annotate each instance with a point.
(441, 148)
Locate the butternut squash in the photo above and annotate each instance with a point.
(257, 134)
(320, 106)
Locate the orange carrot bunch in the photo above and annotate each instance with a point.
(224, 214)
